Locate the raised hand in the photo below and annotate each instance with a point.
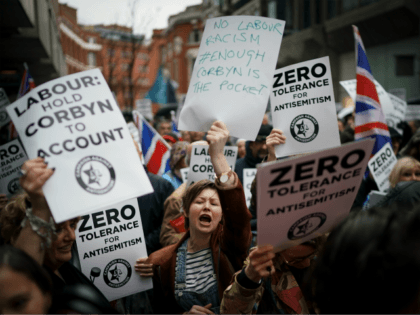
(143, 267)
(260, 263)
(275, 138)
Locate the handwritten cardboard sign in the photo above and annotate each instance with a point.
(75, 124)
(381, 165)
(4, 101)
(248, 177)
(303, 107)
(144, 106)
(304, 197)
(109, 241)
(12, 157)
(232, 75)
(201, 166)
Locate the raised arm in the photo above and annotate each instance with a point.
(275, 138)
(36, 233)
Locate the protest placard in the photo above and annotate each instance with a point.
(401, 93)
(184, 174)
(231, 78)
(398, 114)
(12, 157)
(248, 177)
(412, 112)
(303, 197)
(75, 124)
(392, 110)
(109, 241)
(381, 165)
(303, 107)
(144, 106)
(4, 101)
(200, 163)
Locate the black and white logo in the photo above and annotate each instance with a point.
(117, 273)
(95, 175)
(304, 128)
(13, 186)
(306, 225)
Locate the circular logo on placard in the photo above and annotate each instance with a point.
(3, 116)
(95, 175)
(117, 273)
(304, 128)
(306, 225)
(13, 186)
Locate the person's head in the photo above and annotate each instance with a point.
(196, 135)
(12, 216)
(202, 207)
(414, 125)
(396, 139)
(406, 169)
(350, 121)
(164, 127)
(25, 287)
(300, 256)
(60, 250)
(241, 148)
(178, 153)
(186, 136)
(258, 147)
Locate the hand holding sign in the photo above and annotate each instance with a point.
(260, 263)
(143, 267)
(275, 138)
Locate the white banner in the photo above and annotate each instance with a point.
(75, 124)
(144, 106)
(184, 174)
(232, 74)
(248, 177)
(302, 198)
(200, 163)
(12, 157)
(303, 107)
(381, 165)
(109, 241)
(4, 101)
(412, 112)
(398, 114)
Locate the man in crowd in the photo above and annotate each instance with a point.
(164, 127)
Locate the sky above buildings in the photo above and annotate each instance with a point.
(150, 14)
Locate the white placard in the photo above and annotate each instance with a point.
(144, 106)
(200, 162)
(12, 157)
(232, 74)
(4, 101)
(75, 124)
(398, 114)
(248, 177)
(303, 107)
(386, 103)
(381, 165)
(412, 112)
(401, 93)
(109, 241)
(184, 174)
(304, 197)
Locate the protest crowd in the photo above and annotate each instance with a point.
(207, 243)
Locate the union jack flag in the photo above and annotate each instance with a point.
(156, 150)
(370, 120)
(27, 82)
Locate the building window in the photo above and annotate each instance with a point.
(111, 52)
(195, 36)
(126, 80)
(91, 59)
(91, 40)
(114, 80)
(331, 8)
(127, 94)
(306, 13)
(126, 54)
(124, 66)
(142, 56)
(143, 69)
(404, 65)
(349, 5)
(175, 71)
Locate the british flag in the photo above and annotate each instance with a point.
(27, 82)
(156, 150)
(370, 120)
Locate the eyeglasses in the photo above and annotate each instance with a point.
(297, 260)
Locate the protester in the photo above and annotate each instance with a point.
(176, 163)
(196, 135)
(340, 125)
(25, 287)
(255, 152)
(414, 125)
(347, 135)
(406, 169)
(186, 136)
(412, 148)
(370, 264)
(28, 225)
(240, 143)
(217, 240)
(396, 139)
(164, 127)
(171, 138)
(271, 283)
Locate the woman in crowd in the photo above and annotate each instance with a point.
(27, 224)
(370, 264)
(191, 275)
(406, 169)
(25, 287)
(176, 163)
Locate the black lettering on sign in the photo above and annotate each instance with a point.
(83, 227)
(277, 83)
(283, 171)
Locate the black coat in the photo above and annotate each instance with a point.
(152, 211)
(248, 161)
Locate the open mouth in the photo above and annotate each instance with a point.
(205, 218)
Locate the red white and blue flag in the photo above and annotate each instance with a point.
(370, 119)
(174, 125)
(27, 82)
(156, 150)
